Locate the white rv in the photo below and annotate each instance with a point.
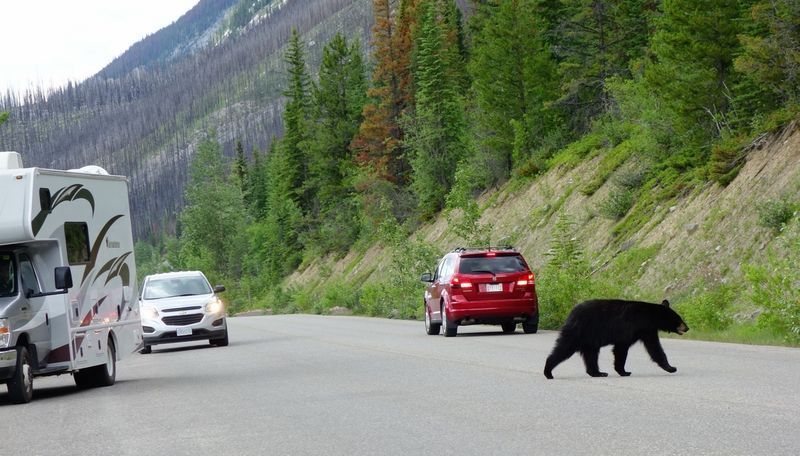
(67, 276)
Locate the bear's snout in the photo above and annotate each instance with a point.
(682, 329)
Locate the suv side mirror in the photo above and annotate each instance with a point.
(63, 278)
(427, 277)
(219, 289)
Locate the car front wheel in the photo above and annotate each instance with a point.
(221, 342)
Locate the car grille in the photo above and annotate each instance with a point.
(178, 309)
(182, 320)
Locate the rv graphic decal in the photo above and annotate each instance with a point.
(116, 267)
(70, 193)
(98, 243)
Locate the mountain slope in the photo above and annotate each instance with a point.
(146, 123)
(191, 32)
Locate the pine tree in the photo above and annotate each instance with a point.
(595, 41)
(514, 78)
(378, 144)
(296, 122)
(339, 101)
(771, 54)
(275, 248)
(240, 170)
(212, 221)
(694, 49)
(437, 132)
(257, 183)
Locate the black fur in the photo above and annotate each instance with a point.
(600, 322)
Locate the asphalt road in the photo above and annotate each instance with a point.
(299, 384)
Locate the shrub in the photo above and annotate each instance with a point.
(339, 293)
(566, 279)
(619, 202)
(776, 286)
(710, 310)
(775, 214)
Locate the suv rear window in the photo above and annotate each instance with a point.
(495, 265)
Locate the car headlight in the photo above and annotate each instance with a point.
(5, 333)
(149, 312)
(215, 306)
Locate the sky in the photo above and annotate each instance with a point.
(48, 42)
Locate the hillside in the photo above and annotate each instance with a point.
(692, 244)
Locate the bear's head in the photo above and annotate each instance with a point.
(671, 321)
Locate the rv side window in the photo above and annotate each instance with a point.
(28, 275)
(8, 280)
(77, 235)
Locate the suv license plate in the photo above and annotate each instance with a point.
(494, 287)
(184, 331)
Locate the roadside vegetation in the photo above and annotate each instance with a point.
(666, 96)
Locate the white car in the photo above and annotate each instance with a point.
(180, 307)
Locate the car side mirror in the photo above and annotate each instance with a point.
(427, 277)
(63, 276)
(219, 289)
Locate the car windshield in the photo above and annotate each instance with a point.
(8, 278)
(491, 265)
(176, 286)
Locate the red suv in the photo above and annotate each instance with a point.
(491, 286)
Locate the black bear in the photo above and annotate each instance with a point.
(600, 322)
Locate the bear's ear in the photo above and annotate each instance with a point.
(665, 303)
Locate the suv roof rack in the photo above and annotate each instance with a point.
(489, 248)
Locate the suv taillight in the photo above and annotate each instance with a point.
(459, 282)
(526, 280)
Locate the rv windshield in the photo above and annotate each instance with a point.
(8, 277)
(176, 286)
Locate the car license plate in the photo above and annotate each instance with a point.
(494, 287)
(184, 331)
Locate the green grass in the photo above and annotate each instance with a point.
(610, 162)
(739, 333)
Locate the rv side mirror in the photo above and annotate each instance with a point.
(219, 289)
(426, 277)
(63, 278)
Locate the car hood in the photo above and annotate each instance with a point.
(178, 301)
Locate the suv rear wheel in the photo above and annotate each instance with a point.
(532, 325)
(431, 329)
(509, 327)
(450, 328)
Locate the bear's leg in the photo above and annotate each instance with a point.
(620, 356)
(653, 346)
(590, 355)
(561, 352)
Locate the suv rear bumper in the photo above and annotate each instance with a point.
(492, 312)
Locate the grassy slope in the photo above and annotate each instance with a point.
(691, 243)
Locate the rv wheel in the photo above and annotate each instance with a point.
(102, 375)
(20, 387)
